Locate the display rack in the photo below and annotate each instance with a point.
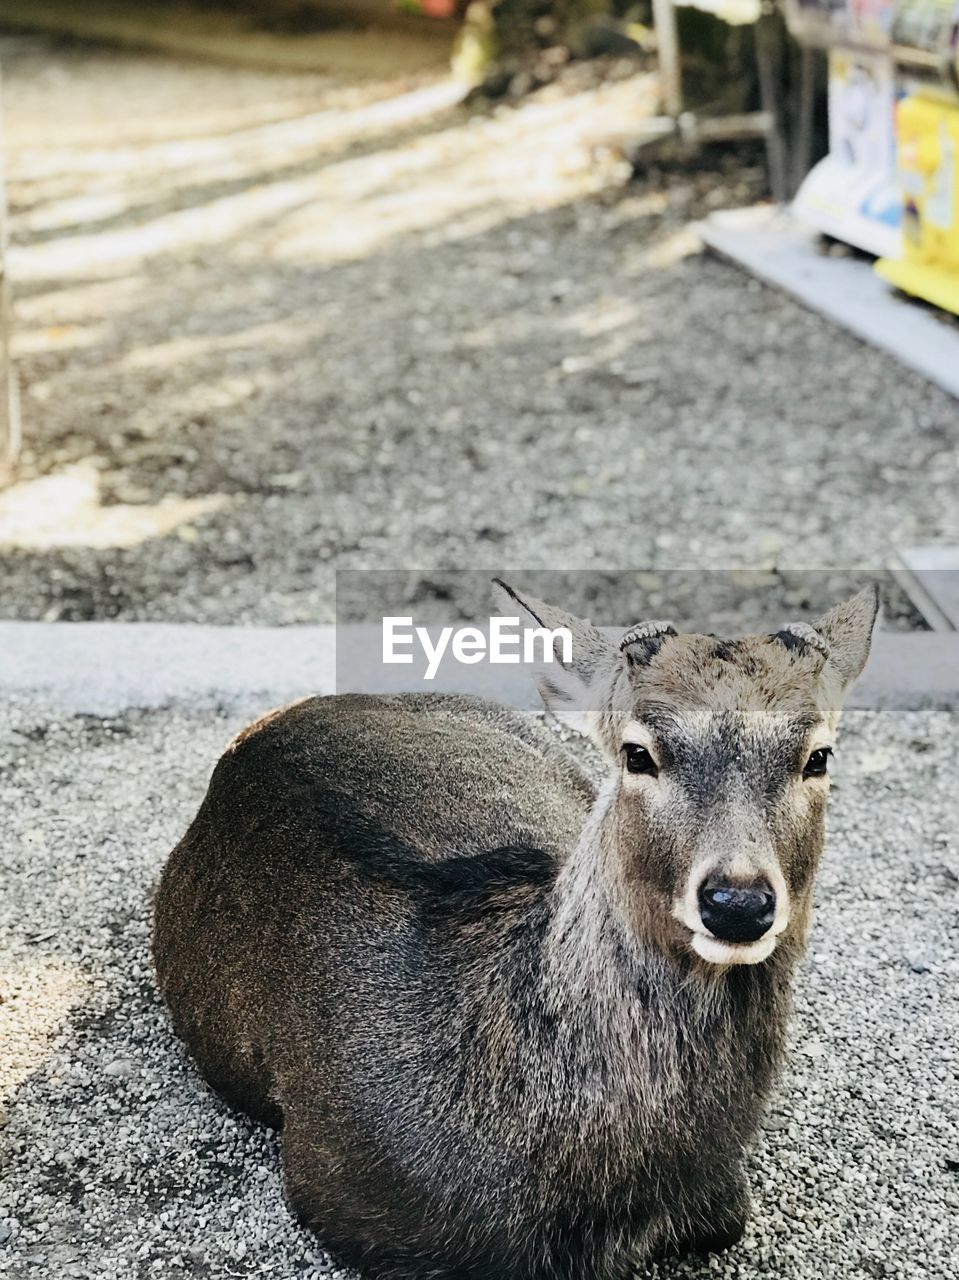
(890, 184)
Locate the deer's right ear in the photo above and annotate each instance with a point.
(574, 682)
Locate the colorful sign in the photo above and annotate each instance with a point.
(929, 179)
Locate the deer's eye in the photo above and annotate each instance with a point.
(817, 763)
(638, 760)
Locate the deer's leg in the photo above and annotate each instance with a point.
(713, 1225)
(327, 1199)
(722, 1221)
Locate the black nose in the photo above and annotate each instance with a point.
(734, 912)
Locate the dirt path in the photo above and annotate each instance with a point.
(271, 324)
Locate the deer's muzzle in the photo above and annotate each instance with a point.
(736, 912)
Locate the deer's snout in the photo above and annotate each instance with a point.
(736, 912)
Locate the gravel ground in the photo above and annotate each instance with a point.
(248, 357)
(118, 1163)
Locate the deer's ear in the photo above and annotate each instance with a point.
(575, 678)
(847, 630)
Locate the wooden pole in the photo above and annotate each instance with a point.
(768, 49)
(667, 47)
(802, 161)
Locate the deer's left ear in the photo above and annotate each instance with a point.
(847, 630)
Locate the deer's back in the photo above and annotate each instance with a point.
(273, 907)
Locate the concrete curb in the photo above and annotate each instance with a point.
(780, 251)
(102, 668)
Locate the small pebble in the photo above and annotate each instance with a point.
(120, 1068)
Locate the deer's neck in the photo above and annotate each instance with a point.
(639, 1024)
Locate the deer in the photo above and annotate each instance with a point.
(512, 1023)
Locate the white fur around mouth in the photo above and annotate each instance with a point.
(717, 952)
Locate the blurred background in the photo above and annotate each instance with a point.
(297, 285)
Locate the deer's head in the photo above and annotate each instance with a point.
(714, 817)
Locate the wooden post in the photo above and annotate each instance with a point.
(667, 46)
(768, 50)
(802, 160)
(9, 398)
